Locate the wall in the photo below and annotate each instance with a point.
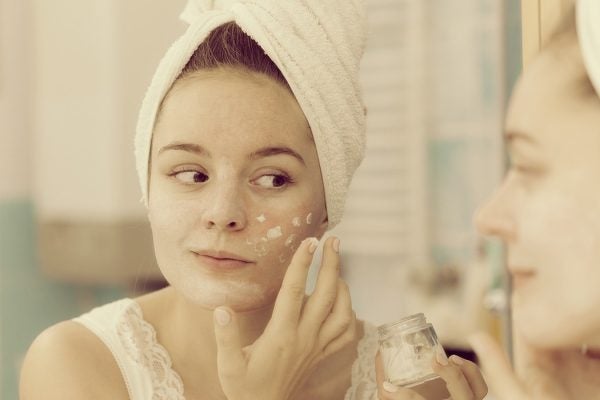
(35, 95)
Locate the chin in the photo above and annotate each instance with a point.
(544, 330)
(238, 301)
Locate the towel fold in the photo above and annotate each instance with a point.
(588, 32)
(317, 45)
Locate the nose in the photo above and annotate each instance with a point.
(226, 210)
(495, 216)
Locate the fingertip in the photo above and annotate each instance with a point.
(441, 359)
(336, 244)
(222, 316)
(456, 360)
(312, 243)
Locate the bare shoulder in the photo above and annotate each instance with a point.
(68, 361)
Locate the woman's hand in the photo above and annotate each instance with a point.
(299, 335)
(543, 374)
(463, 381)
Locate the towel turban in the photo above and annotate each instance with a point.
(316, 44)
(588, 32)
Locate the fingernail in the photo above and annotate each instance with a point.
(312, 246)
(456, 359)
(388, 387)
(222, 316)
(441, 358)
(336, 245)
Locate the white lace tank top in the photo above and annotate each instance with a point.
(146, 366)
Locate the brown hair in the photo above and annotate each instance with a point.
(229, 46)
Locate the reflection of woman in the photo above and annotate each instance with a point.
(242, 156)
(547, 212)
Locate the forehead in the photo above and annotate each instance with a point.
(231, 104)
(549, 104)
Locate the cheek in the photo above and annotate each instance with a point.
(168, 221)
(560, 238)
(278, 235)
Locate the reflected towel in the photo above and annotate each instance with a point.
(317, 45)
(588, 32)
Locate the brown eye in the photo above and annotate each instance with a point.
(273, 181)
(191, 176)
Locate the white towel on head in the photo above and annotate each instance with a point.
(588, 32)
(317, 45)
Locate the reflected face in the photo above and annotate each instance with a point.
(547, 210)
(235, 186)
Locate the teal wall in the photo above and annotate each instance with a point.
(512, 48)
(28, 302)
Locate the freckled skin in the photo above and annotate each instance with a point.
(231, 114)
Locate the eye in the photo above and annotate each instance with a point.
(190, 177)
(524, 169)
(273, 181)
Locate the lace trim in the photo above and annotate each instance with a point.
(139, 341)
(364, 382)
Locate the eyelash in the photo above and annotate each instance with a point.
(175, 173)
(287, 180)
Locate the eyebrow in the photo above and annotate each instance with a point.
(189, 147)
(260, 153)
(274, 151)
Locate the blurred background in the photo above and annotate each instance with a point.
(73, 235)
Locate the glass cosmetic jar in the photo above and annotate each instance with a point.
(408, 348)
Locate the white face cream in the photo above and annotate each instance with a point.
(274, 233)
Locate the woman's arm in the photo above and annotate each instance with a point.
(67, 361)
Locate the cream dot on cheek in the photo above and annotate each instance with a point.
(261, 218)
(296, 221)
(274, 233)
(290, 240)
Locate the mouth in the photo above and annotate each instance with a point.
(221, 260)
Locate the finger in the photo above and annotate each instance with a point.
(456, 383)
(322, 300)
(231, 363)
(497, 369)
(340, 318)
(472, 374)
(289, 302)
(342, 340)
(387, 391)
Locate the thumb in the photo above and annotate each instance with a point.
(231, 363)
(497, 369)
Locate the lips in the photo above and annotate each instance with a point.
(520, 276)
(222, 260)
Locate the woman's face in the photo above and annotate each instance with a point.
(235, 186)
(547, 210)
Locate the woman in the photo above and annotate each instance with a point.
(547, 212)
(244, 160)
